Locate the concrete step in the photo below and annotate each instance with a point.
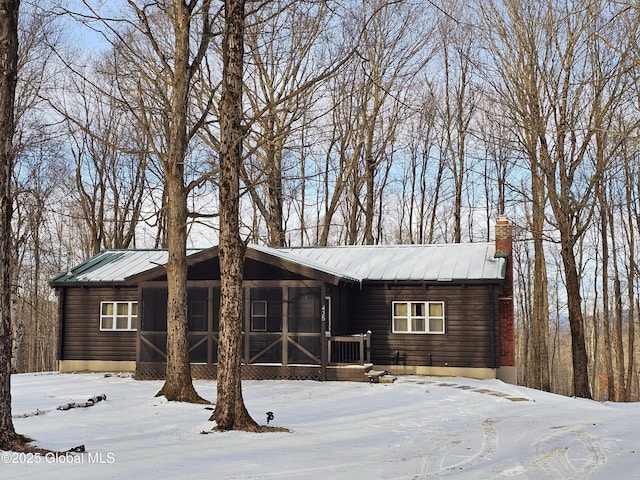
(380, 376)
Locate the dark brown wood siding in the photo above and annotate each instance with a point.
(470, 336)
(81, 338)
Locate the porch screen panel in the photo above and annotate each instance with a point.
(197, 348)
(216, 309)
(197, 309)
(304, 349)
(154, 310)
(154, 347)
(265, 328)
(304, 310)
(153, 325)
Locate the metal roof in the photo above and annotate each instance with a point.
(286, 254)
(115, 266)
(356, 263)
(433, 262)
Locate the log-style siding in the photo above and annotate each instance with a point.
(470, 338)
(300, 321)
(81, 338)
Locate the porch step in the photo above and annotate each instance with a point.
(379, 376)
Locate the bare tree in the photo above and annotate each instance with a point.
(342, 151)
(422, 173)
(457, 48)
(9, 439)
(572, 180)
(629, 219)
(230, 412)
(604, 234)
(501, 154)
(178, 382)
(391, 54)
(565, 82)
(283, 73)
(157, 52)
(518, 50)
(39, 173)
(369, 98)
(110, 167)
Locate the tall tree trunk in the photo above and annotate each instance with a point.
(275, 220)
(435, 203)
(353, 208)
(8, 79)
(178, 384)
(631, 275)
(540, 321)
(606, 323)
(576, 322)
(618, 347)
(230, 412)
(369, 203)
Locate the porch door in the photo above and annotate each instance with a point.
(304, 325)
(285, 324)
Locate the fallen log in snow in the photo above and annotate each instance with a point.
(89, 403)
(31, 414)
(67, 406)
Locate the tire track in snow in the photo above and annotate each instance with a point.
(436, 462)
(564, 461)
(558, 455)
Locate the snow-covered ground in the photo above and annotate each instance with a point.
(415, 428)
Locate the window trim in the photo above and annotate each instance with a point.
(114, 316)
(426, 317)
(263, 317)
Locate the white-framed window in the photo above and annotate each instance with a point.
(259, 316)
(418, 317)
(118, 316)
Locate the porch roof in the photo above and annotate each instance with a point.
(113, 266)
(353, 263)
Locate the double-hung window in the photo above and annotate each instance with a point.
(118, 316)
(418, 317)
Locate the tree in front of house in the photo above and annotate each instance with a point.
(230, 412)
(178, 384)
(146, 80)
(9, 439)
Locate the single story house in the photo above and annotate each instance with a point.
(325, 313)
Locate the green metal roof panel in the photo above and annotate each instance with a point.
(114, 266)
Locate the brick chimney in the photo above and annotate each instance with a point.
(504, 245)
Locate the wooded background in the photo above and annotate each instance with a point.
(370, 121)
